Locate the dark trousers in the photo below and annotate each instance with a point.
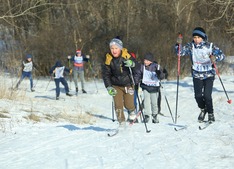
(26, 74)
(203, 93)
(64, 83)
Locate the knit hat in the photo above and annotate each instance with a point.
(28, 56)
(198, 31)
(149, 56)
(58, 64)
(78, 51)
(116, 42)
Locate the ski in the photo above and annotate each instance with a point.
(180, 128)
(206, 124)
(111, 134)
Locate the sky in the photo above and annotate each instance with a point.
(71, 133)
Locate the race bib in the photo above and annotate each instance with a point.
(201, 59)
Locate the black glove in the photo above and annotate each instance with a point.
(158, 72)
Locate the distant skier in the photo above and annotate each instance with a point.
(78, 68)
(202, 53)
(57, 72)
(27, 68)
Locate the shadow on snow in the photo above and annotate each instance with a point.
(94, 128)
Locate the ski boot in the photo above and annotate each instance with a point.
(32, 90)
(131, 117)
(202, 115)
(211, 117)
(146, 118)
(155, 118)
(68, 94)
(84, 91)
(57, 98)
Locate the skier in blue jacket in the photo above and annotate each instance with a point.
(202, 53)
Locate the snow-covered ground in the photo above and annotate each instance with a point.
(71, 133)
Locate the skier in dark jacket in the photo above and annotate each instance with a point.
(202, 53)
(57, 72)
(151, 74)
(117, 79)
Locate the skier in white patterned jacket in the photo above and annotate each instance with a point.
(202, 54)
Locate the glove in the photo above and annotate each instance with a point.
(179, 40)
(87, 56)
(129, 63)
(69, 57)
(111, 91)
(70, 71)
(158, 71)
(212, 58)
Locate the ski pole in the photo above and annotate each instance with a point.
(113, 116)
(48, 83)
(168, 104)
(147, 131)
(217, 72)
(69, 64)
(179, 39)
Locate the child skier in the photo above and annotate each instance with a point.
(202, 53)
(78, 68)
(117, 79)
(151, 74)
(57, 72)
(27, 71)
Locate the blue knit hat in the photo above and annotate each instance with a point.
(198, 31)
(28, 56)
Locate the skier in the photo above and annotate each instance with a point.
(78, 68)
(151, 74)
(202, 53)
(27, 67)
(117, 79)
(56, 73)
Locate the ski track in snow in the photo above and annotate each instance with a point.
(64, 145)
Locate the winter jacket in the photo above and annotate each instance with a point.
(78, 62)
(27, 66)
(59, 70)
(115, 73)
(155, 75)
(200, 57)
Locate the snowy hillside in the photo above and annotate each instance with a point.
(39, 132)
